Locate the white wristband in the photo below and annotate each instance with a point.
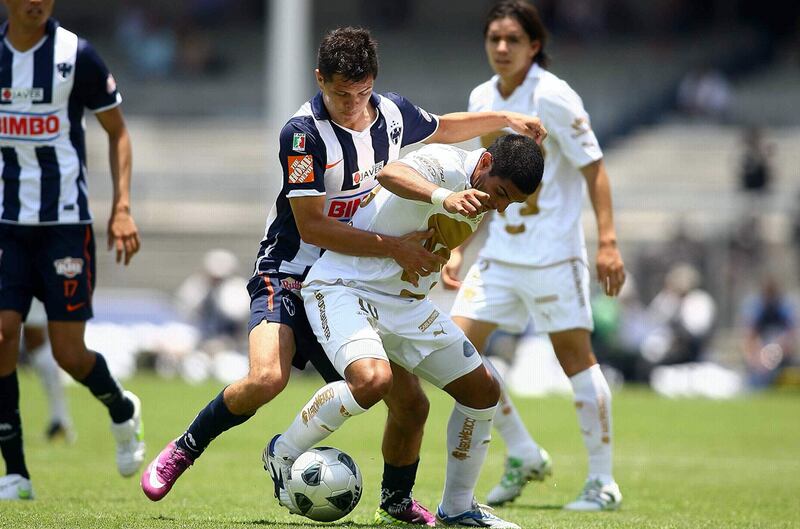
(438, 196)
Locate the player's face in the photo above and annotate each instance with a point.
(29, 14)
(509, 49)
(502, 192)
(345, 100)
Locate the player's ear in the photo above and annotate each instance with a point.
(320, 79)
(486, 160)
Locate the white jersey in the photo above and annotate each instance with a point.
(388, 214)
(546, 229)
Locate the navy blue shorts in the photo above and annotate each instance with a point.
(54, 263)
(272, 300)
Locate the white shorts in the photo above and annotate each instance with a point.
(415, 334)
(556, 297)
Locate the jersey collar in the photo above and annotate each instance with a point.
(470, 163)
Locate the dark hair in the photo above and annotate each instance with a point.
(349, 52)
(528, 17)
(519, 159)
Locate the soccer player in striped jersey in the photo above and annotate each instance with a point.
(330, 153)
(48, 75)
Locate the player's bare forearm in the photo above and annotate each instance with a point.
(405, 182)
(462, 126)
(610, 267)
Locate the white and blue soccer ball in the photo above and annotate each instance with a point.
(325, 484)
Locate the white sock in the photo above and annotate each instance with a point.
(50, 375)
(468, 435)
(509, 424)
(327, 410)
(593, 404)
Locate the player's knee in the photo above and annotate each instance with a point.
(489, 393)
(75, 361)
(264, 385)
(411, 409)
(370, 381)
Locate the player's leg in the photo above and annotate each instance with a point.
(34, 334)
(402, 438)
(459, 370)
(593, 406)
(16, 483)
(490, 296)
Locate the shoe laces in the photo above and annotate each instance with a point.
(593, 491)
(176, 463)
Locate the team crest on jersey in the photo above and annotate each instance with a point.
(64, 69)
(299, 142)
(22, 94)
(68, 266)
(395, 133)
(367, 174)
(301, 169)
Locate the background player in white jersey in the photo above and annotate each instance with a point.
(330, 152)
(534, 263)
(48, 75)
(368, 310)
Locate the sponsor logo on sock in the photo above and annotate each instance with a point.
(319, 400)
(605, 427)
(343, 411)
(464, 439)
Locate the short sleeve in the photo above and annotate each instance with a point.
(567, 122)
(438, 164)
(302, 157)
(418, 124)
(95, 86)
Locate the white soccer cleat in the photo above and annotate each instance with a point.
(518, 473)
(130, 439)
(15, 487)
(596, 497)
(280, 470)
(478, 516)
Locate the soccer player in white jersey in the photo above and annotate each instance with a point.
(330, 153)
(366, 311)
(535, 264)
(48, 76)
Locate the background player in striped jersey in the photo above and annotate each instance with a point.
(368, 310)
(330, 152)
(534, 263)
(48, 75)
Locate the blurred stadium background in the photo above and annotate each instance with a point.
(674, 88)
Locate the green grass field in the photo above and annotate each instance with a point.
(681, 464)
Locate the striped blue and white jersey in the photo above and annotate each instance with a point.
(43, 93)
(321, 158)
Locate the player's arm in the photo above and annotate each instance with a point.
(610, 268)
(462, 126)
(317, 228)
(122, 232)
(406, 182)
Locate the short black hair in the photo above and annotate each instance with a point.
(528, 17)
(349, 52)
(519, 159)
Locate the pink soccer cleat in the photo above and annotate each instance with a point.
(413, 514)
(164, 471)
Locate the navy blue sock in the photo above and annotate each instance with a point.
(11, 426)
(212, 420)
(108, 391)
(396, 485)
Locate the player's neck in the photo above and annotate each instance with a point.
(23, 38)
(507, 84)
(359, 123)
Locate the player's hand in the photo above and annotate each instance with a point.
(527, 125)
(610, 269)
(415, 260)
(451, 271)
(123, 235)
(469, 203)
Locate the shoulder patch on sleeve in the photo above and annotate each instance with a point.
(301, 169)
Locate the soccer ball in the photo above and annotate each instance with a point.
(325, 484)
